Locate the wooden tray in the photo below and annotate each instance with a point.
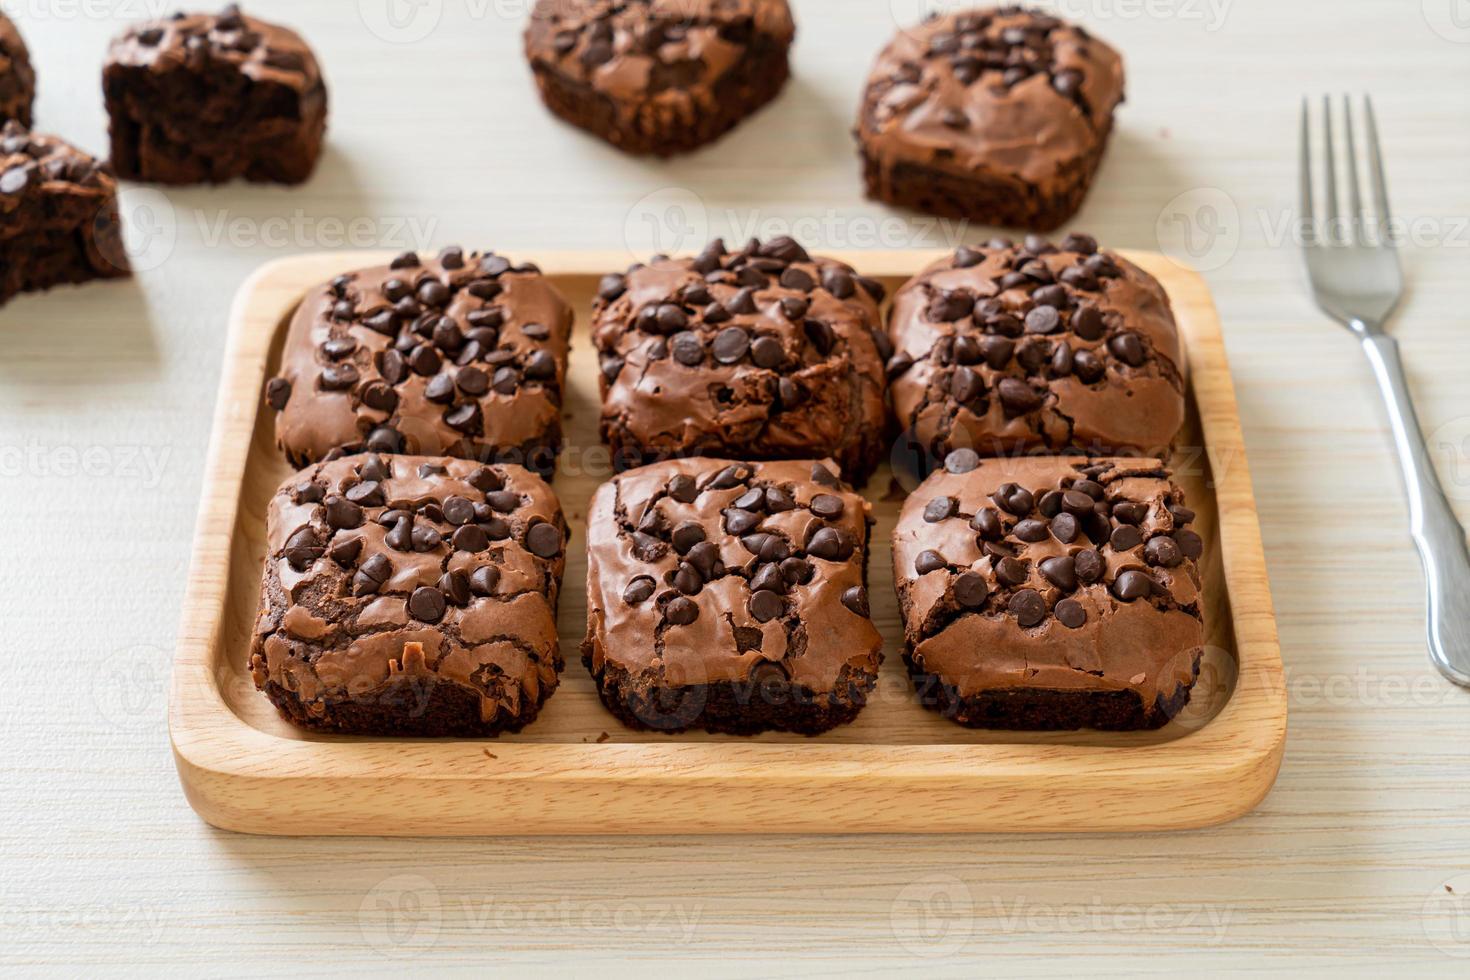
(899, 768)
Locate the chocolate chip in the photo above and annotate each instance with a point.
(401, 537)
(1028, 607)
(856, 600)
(339, 377)
(1014, 498)
(540, 366)
(795, 278)
(368, 493)
(427, 604)
(768, 577)
(426, 539)
(371, 575)
(484, 579)
(742, 302)
(1089, 366)
(425, 360)
(838, 282)
(731, 344)
(455, 586)
(1181, 515)
(940, 509)
(278, 393)
(687, 579)
(1043, 320)
(1131, 585)
(821, 336)
(1190, 543)
(1089, 566)
(303, 548)
(827, 506)
(1009, 571)
(766, 606)
(740, 522)
(898, 364)
(471, 538)
(965, 385)
(1069, 613)
(929, 561)
(343, 514)
(1031, 531)
(1125, 538)
(797, 571)
(1064, 528)
(970, 590)
(485, 480)
(1128, 348)
(681, 611)
(830, 544)
(686, 535)
(962, 461)
(504, 501)
(638, 590)
(1017, 396)
(966, 257)
(1129, 512)
(687, 348)
(824, 477)
(544, 540)
(1077, 242)
(440, 389)
(683, 489)
(466, 418)
(1163, 551)
(1061, 572)
(987, 522)
(345, 551)
(1087, 323)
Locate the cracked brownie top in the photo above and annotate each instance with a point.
(765, 352)
(1011, 92)
(382, 569)
(463, 355)
(703, 570)
(1061, 572)
(1026, 345)
(210, 43)
(653, 50)
(17, 77)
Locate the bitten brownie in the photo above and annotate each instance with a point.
(1006, 347)
(730, 596)
(410, 596)
(658, 76)
(17, 77)
(1052, 593)
(201, 98)
(999, 116)
(762, 353)
(58, 215)
(463, 355)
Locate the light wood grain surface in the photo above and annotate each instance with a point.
(105, 398)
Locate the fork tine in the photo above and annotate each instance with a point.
(1333, 217)
(1357, 220)
(1375, 164)
(1304, 177)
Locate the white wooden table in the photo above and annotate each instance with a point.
(1358, 861)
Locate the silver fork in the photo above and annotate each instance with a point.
(1354, 268)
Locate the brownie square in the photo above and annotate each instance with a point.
(1050, 593)
(659, 77)
(730, 596)
(1007, 347)
(58, 215)
(17, 77)
(462, 355)
(410, 596)
(200, 98)
(762, 353)
(999, 116)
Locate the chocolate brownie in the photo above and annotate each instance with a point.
(658, 76)
(998, 116)
(1053, 593)
(58, 215)
(17, 77)
(763, 353)
(463, 355)
(201, 98)
(1006, 347)
(409, 595)
(730, 596)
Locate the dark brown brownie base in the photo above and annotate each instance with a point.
(402, 708)
(35, 262)
(727, 708)
(142, 149)
(748, 87)
(991, 201)
(1047, 710)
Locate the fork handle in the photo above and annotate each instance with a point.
(1438, 534)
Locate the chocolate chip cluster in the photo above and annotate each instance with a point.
(1001, 48)
(770, 351)
(422, 341)
(1025, 318)
(455, 530)
(27, 160)
(225, 35)
(1103, 534)
(771, 563)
